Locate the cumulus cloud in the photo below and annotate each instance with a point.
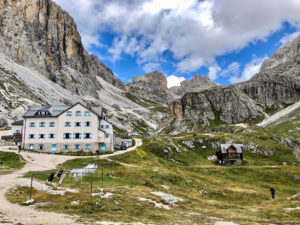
(174, 81)
(150, 67)
(213, 72)
(193, 31)
(233, 69)
(250, 69)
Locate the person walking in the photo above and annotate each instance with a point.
(273, 191)
(50, 178)
(60, 176)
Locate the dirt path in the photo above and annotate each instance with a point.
(279, 114)
(28, 215)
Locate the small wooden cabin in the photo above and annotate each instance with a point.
(230, 154)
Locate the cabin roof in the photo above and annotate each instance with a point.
(57, 110)
(54, 110)
(225, 147)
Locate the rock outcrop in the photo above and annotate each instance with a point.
(278, 82)
(288, 53)
(155, 77)
(154, 87)
(40, 35)
(151, 87)
(276, 86)
(196, 84)
(228, 105)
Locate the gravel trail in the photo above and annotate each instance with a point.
(27, 215)
(279, 114)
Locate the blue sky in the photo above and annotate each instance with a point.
(226, 40)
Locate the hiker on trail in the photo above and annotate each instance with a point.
(60, 176)
(50, 178)
(19, 148)
(273, 191)
(60, 173)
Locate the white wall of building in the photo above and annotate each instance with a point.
(76, 114)
(37, 130)
(93, 129)
(16, 129)
(106, 133)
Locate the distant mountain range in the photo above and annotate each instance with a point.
(43, 61)
(276, 86)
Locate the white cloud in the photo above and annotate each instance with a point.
(250, 69)
(174, 81)
(213, 72)
(190, 64)
(233, 69)
(193, 31)
(150, 67)
(288, 37)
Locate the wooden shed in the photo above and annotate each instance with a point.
(230, 154)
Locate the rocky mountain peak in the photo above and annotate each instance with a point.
(154, 77)
(152, 87)
(198, 82)
(40, 35)
(158, 78)
(285, 53)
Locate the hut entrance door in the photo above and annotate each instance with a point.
(231, 153)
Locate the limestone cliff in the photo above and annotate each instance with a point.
(278, 82)
(152, 87)
(227, 104)
(196, 84)
(274, 87)
(40, 35)
(43, 61)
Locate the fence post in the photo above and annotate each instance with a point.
(31, 186)
(91, 192)
(102, 177)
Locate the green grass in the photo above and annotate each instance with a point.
(286, 125)
(140, 101)
(140, 126)
(271, 110)
(2, 86)
(154, 106)
(217, 121)
(238, 194)
(120, 132)
(82, 153)
(160, 108)
(10, 162)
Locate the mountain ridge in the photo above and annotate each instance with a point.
(41, 37)
(276, 86)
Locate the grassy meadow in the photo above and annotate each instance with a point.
(169, 164)
(10, 162)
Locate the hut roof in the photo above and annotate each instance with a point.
(225, 147)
